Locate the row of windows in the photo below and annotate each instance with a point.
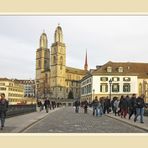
(29, 95)
(15, 95)
(86, 89)
(14, 100)
(115, 79)
(87, 81)
(76, 84)
(46, 64)
(115, 87)
(60, 50)
(2, 84)
(109, 69)
(2, 88)
(17, 90)
(105, 88)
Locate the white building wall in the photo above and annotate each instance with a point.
(133, 83)
(96, 81)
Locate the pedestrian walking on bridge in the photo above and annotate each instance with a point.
(95, 105)
(140, 105)
(47, 104)
(85, 105)
(132, 106)
(3, 109)
(77, 105)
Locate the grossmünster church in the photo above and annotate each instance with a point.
(54, 79)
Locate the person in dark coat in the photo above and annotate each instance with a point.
(124, 106)
(77, 105)
(53, 104)
(46, 104)
(140, 104)
(3, 109)
(132, 106)
(40, 105)
(107, 105)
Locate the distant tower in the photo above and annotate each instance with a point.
(42, 61)
(58, 65)
(86, 65)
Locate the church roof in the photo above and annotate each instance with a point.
(129, 68)
(75, 70)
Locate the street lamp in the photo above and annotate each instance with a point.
(110, 84)
(93, 94)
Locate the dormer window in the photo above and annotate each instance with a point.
(120, 69)
(109, 69)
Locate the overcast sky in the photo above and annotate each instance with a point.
(106, 38)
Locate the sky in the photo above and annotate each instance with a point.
(106, 38)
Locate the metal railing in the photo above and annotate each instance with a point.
(15, 110)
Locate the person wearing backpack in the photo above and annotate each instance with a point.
(140, 104)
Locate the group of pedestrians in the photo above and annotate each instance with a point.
(47, 104)
(130, 106)
(85, 104)
(122, 106)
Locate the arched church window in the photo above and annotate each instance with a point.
(54, 59)
(39, 64)
(61, 62)
(45, 64)
(46, 77)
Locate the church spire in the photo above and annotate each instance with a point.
(58, 36)
(43, 40)
(86, 65)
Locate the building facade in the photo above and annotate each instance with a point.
(14, 92)
(29, 87)
(115, 79)
(54, 79)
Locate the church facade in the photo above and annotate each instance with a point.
(54, 79)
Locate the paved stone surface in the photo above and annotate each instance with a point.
(18, 123)
(66, 121)
(143, 126)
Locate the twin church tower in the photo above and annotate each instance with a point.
(54, 79)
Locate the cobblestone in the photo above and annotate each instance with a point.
(67, 121)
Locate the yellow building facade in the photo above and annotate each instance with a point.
(13, 91)
(54, 79)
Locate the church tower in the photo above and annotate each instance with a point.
(42, 66)
(86, 65)
(58, 65)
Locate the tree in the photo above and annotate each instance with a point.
(70, 95)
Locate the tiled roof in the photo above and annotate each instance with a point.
(129, 68)
(75, 70)
(4, 79)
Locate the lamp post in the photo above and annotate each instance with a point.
(93, 93)
(110, 84)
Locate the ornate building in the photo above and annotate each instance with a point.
(53, 78)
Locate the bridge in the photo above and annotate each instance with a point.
(65, 120)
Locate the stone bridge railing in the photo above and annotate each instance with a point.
(14, 110)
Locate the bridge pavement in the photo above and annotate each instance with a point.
(65, 120)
